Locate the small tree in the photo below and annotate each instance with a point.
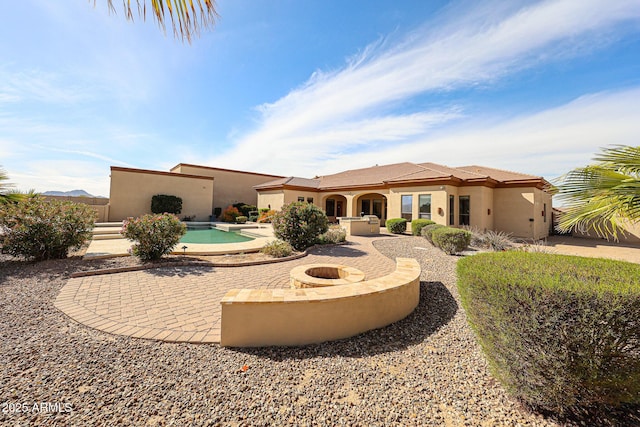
(163, 203)
(155, 235)
(40, 229)
(300, 224)
(230, 214)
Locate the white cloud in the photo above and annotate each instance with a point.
(330, 114)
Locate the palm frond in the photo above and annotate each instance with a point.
(602, 197)
(188, 17)
(622, 158)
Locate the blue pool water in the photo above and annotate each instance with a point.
(207, 234)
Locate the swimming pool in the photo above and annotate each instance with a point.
(211, 235)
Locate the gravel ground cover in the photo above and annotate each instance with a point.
(424, 370)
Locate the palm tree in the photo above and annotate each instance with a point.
(7, 193)
(187, 16)
(604, 196)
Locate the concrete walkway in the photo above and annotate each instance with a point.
(182, 304)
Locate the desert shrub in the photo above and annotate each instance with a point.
(451, 240)
(332, 236)
(266, 216)
(559, 332)
(241, 219)
(428, 230)
(477, 236)
(253, 218)
(497, 241)
(154, 235)
(163, 203)
(263, 210)
(418, 224)
(277, 249)
(230, 214)
(396, 225)
(40, 229)
(300, 224)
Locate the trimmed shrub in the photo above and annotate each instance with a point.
(241, 219)
(154, 235)
(266, 216)
(277, 249)
(230, 214)
(300, 224)
(451, 240)
(332, 236)
(163, 203)
(253, 218)
(428, 230)
(396, 225)
(40, 229)
(559, 332)
(418, 224)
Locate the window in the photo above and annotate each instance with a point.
(331, 207)
(425, 206)
(309, 199)
(407, 207)
(465, 210)
(452, 208)
(300, 199)
(544, 212)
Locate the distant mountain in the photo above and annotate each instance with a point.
(72, 193)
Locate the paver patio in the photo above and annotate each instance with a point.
(182, 304)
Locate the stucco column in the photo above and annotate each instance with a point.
(350, 208)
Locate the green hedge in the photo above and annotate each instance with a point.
(396, 225)
(163, 203)
(451, 240)
(427, 231)
(560, 332)
(418, 224)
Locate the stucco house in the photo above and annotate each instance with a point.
(487, 198)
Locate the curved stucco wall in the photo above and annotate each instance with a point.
(290, 317)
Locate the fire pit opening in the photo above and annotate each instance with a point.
(327, 273)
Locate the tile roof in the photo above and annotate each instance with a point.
(401, 172)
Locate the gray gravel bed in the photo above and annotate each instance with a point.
(424, 370)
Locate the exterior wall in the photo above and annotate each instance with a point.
(439, 202)
(231, 186)
(132, 189)
(519, 211)
(482, 213)
(631, 235)
(271, 199)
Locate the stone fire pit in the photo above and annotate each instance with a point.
(320, 275)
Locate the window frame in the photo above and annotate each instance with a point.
(421, 214)
(406, 215)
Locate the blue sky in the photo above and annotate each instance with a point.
(314, 87)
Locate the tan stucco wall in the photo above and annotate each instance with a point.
(231, 186)
(270, 317)
(271, 199)
(279, 198)
(131, 192)
(482, 204)
(516, 206)
(631, 234)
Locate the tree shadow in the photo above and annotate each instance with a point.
(435, 309)
(179, 271)
(626, 415)
(344, 250)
